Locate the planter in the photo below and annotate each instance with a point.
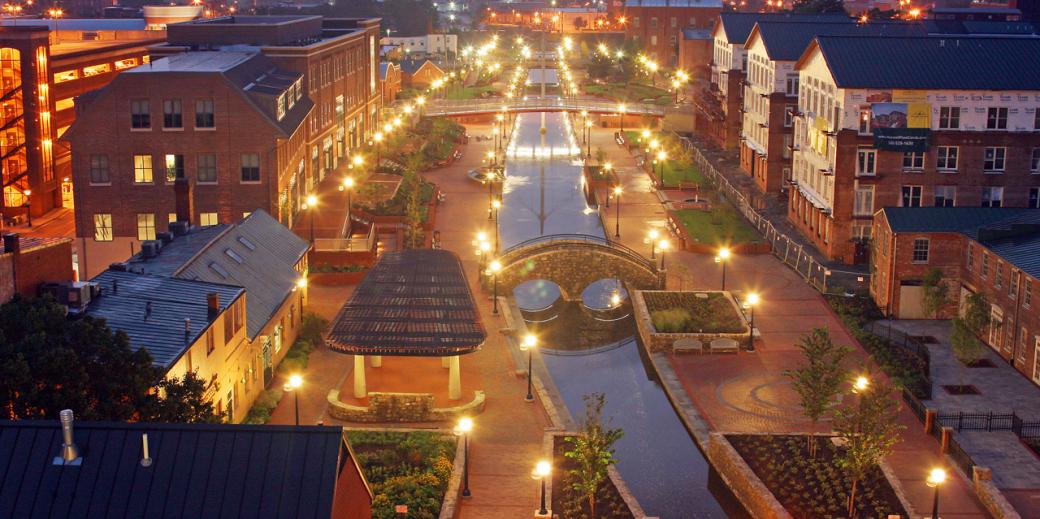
(663, 342)
(613, 500)
(335, 279)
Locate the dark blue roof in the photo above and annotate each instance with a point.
(696, 34)
(786, 41)
(412, 66)
(126, 295)
(227, 471)
(979, 27)
(737, 26)
(933, 63)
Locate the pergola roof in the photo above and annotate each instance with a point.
(413, 303)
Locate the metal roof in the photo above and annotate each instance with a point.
(411, 66)
(737, 26)
(696, 34)
(412, 303)
(931, 63)
(81, 24)
(673, 3)
(205, 62)
(159, 328)
(786, 41)
(227, 471)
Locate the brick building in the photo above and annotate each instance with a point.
(695, 48)
(239, 113)
(909, 122)
(770, 97)
(719, 100)
(657, 25)
(25, 263)
(988, 251)
(420, 73)
(43, 71)
(389, 81)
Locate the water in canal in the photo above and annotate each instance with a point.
(590, 347)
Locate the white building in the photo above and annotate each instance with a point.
(428, 44)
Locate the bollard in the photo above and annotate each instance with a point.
(929, 420)
(944, 441)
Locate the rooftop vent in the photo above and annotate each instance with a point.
(69, 452)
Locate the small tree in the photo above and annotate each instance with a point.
(413, 185)
(592, 449)
(819, 382)
(870, 429)
(935, 292)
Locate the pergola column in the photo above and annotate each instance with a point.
(444, 362)
(359, 377)
(377, 361)
(454, 379)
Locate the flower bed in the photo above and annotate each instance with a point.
(405, 468)
(813, 488)
(684, 312)
(565, 500)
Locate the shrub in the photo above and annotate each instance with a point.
(405, 469)
(312, 328)
(263, 407)
(670, 321)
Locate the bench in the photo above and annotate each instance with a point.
(687, 346)
(724, 345)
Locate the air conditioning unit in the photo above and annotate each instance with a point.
(75, 295)
(150, 248)
(119, 267)
(165, 237)
(179, 228)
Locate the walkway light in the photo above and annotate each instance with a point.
(663, 245)
(463, 428)
(529, 344)
(617, 211)
(652, 235)
(493, 268)
(541, 471)
(723, 258)
(751, 301)
(935, 479)
(294, 384)
(420, 100)
(860, 384)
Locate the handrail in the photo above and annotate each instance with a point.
(527, 247)
(444, 106)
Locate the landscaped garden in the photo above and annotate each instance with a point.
(310, 336)
(405, 468)
(693, 312)
(721, 225)
(472, 92)
(816, 488)
(631, 92)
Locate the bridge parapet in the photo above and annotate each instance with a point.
(447, 107)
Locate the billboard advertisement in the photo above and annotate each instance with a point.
(900, 126)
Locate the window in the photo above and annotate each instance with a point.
(984, 271)
(234, 255)
(864, 121)
(992, 196)
(102, 227)
(913, 161)
(996, 118)
(207, 168)
(949, 117)
(1034, 161)
(911, 196)
(971, 257)
(1027, 293)
(140, 117)
(171, 217)
(863, 204)
(653, 39)
(946, 158)
(145, 226)
(653, 22)
(789, 115)
(143, 169)
(172, 114)
(998, 278)
(174, 167)
(1013, 284)
(920, 254)
(945, 196)
(791, 86)
(250, 167)
(1036, 125)
(1034, 198)
(204, 113)
(207, 219)
(993, 159)
(99, 170)
(866, 160)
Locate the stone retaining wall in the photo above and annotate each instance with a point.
(990, 496)
(739, 477)
(655, 341)
(401, 407)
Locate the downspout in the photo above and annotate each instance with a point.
(892, 275)
(1018, 308)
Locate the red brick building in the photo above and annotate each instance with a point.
(695, 48)
(420, 74)
(27, 262)
(657, 25)
(911, 122)
(389, 81)
(986, 251)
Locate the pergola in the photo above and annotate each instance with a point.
(413, 303)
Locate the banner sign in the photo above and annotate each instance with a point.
(902, 139)
(901, 126)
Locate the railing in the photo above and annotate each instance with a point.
(530, 247)
(961, 421)
(462, 107)
(347, 244)
(960, 457)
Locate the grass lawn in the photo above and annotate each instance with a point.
(633, 92)
(472, 92)
(720, 226)
(676, 172)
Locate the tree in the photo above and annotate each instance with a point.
(819, 6)
(935, 292)
(49, 362)
(870, 429)
(413, 184)
(820, 381)
(592, 449)
(580, 23)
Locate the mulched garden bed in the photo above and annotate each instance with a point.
(818, 488)
(684, 312)
(405, 468)
(959, 389)
(609, 504)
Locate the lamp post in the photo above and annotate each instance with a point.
(348, 186)
(541, 471)
(617, 212)
(529, 344)
(294, 384)
(653, 243)
(935, 479)
(312, 203)
(377, 138)
(491, 189)
(663, 245)
(723, 257)
(661, 157)
(621, 110)
(496, 204)
(485, 249)
(585, 117)
(28, 206)
(751, 302)
(588, 139)
(493, 268)
(463, 428)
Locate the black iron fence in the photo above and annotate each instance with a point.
(960, 457)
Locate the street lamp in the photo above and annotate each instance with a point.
(860, 384)
(463, 428)
(645, 134)
(621, 110)
(663, 245)
(661, 157)
(541, 471)
(348, 186)
(312, 203)
(493, 268)
(617, 211)
(653, 243)
(378, 138)
(935, 479)
(722, 258)
(751, 301)
(496, 204)
(529, 343)
(28, 205)
(588, 139)
(294, 384)
(485, 249)
(491, 189)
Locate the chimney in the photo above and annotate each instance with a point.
(213, 305)
(187, 329)
(146, 458)
(69, 452)
(11, 243)
(184, 199)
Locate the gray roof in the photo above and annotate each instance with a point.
(228, 471)
(786, 41)
(412, 66)
(737, 26)
(952, 27)
(268, 250)
(696, 34)
(81, 24)
(123, 303)
(203, 61)
(673, 3)
(932, 63)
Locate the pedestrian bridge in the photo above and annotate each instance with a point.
(457, 107)
(575, 261)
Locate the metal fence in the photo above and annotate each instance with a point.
(961, 421)
(356, 244)
(960, 457)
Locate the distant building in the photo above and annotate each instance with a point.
(420, 73)
(657, 25)
(695, 50)
(25, 263)
(389, 81)
(181, 470)
(428, 44)
(163, 298)
(986, 251)
(157, 17)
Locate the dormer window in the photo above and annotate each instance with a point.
(280, 107)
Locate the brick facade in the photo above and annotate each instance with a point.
(658, 28)
(27, 262)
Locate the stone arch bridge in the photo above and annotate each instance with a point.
(575, 261)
